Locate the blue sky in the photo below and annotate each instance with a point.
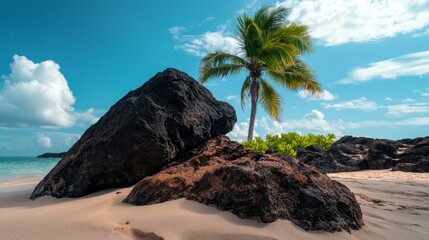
(64, 63)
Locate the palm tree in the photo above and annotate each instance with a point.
(270, 48)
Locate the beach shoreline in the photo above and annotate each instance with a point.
(395, 205)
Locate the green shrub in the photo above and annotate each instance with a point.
(286, 143)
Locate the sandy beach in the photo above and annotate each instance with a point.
(395, 205)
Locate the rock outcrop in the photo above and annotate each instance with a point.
(263, 187)
(416, 157)
(359, 153)
(145, 130)
(52, 155)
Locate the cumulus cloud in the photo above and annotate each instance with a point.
(44, 141)
(200, 45)
(359, 104)
(36, 94)
(388, 99)
(337, 22)
(325, 95)
(413, 64)
(240, 131)
(313, 121)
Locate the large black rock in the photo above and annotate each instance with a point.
(360, 153)
(170, 114)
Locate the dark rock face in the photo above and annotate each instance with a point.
(416, 157)
(263, 187)
(420, 166)
(52, 155)
(145, 130)
(358, 153)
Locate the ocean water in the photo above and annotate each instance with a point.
(15, 169)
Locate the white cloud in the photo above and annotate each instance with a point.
(315, 122)
(359, 104)
(209, 18)
(87, 117)
(403, 109)
(36, 94)
(314, 115)
(311, 122)
(70, 139)
(200, 45)
(176, 31)
(409, 106)
(240, 131)
(408, 100)
(413, 64)
(388, 99)
(325, 95)
(251, 6)
(418, 121)
(424, 93)
(44, 141)
(232, 97)
(337, 22)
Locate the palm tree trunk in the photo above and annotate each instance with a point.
(254, 95)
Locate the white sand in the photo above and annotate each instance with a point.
(395, 206)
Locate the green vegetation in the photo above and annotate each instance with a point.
(270, 48)
(286, 143)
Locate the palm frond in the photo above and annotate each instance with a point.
(296, 76)
(297, 36)
(248, 35)
(245, 92)
(220, 57)
(270, 100)
(277, 55)
(207, 72)
(271, 18)
(220, 64)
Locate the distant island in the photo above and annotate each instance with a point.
(52, 155)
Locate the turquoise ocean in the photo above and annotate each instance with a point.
(16, 169)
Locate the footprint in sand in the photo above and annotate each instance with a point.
(137, 234)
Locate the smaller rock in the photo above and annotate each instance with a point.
(262, 187)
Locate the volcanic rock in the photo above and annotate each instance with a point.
(420, 166)
(145, 130)
(263, 187)
(416, 157)
(359, 153)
